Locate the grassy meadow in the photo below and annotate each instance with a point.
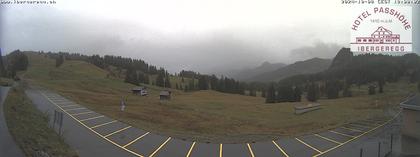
(206, 116)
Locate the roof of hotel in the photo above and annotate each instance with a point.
(412, 103)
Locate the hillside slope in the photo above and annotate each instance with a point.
(246, 74)
(201, 115)
(309, 66)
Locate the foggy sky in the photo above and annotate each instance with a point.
(209, 37)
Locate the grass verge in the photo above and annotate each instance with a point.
(29, 127)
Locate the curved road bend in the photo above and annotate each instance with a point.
(93, 134)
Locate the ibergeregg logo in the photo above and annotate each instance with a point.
(382, 29)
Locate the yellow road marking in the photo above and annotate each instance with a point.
(69, 105)
(189, 151)
(360, 125)
(308, 145)
(352, 129)
(343, 134)
(326, 151)
(80, 108)
(91, 118)
(99, 125)
(250, 150)
(110, 141)
(129, 143)
(160, 147)
(284, 152)
(221, 150)
(370, 125)
(110, 134)
(81, 113)
(328, 139)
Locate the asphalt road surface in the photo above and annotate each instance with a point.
(8, 146)
(93, 134)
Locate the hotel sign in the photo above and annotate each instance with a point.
(379, 29)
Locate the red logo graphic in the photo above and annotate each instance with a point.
(380, 36)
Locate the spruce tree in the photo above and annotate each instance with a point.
(252, 92)
(333, 89)
(167, 82)
(312, 93)
(160, 80)
(271, 94)
(59, 61)
(203, 83)
(372, 90)
(347, 91)
(131, 77)
(297, 94)
(263, 93)
(381, 83)
(285, 93)
(146, 79)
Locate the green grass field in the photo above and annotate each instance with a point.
(206, 115)
(30, 129)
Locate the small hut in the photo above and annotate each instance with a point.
(165, 95)
(140, 91)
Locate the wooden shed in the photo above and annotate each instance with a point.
(165, 95)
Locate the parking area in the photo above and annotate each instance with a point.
(141, 143)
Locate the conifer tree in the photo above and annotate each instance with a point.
(297, 94)
(167, 82)
(263, 93)
(271, 94)
(203, 83)
(59, 61)
(381, 83)
(131, 77)
(372, 90)
(160, 80)
(313, 91)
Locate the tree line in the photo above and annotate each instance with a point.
(374, 70)
(12, 63)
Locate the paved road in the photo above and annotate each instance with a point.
(8, 146)
(93, 134)
(84, 141)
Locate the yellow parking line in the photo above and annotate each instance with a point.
(250, 150)
(69, 105)
(80, 108)
(117, 131)
(81, 113)
(91, 118)
(160, 147)
(221, 150)
(129, 143)
(370, 125)
(352, 129)
(110, 141)
(284, 152)
(343, 134)
(326, 151)
(359, 125)
(308, 145)
(99, 125)
(191, 148)
(328, 139)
